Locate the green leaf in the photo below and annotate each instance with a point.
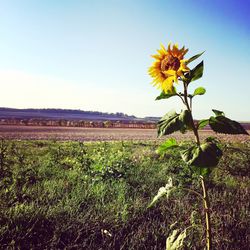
(170, 143)
(176, 240)
(203, 123)
(199, 91)
(186, 119)
(209, 155)
(218, 112)
(162, 192)
(172, 122)
(195, 73)
(194, 57)
(164, 95)
(222, 124)
(212, 139)
(168, 124)
(188, 154)
(206, 155)
(204, 171)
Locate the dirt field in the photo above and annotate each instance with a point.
(98, 134)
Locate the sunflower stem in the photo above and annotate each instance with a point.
(204, 189)
(180, 95)
(207, 215)
(191, 102)
(195, 130)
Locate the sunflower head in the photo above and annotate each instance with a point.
(169, 64)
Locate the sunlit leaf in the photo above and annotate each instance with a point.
(194, 57)
(199, 91)
(175, 241)
(163, 191)
(168, 144)
(203, 123)
(212, 139)
(218, 112)
(164, 95)
(203, 171)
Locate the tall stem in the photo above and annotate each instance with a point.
(207, 214)
(205, 195)
(195, 130)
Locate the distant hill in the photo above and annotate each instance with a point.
(67, 114)
(69, 117)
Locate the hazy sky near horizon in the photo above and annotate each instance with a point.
(94, 54)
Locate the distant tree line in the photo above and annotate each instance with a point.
(88, 123)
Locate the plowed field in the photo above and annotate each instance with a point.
(99, 134)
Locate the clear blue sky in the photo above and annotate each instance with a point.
(94, 54)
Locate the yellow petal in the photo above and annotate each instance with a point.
(176, 78)
(163, 49)
(157, 57)
(175, 50)
(169, 47)
(184, 67)
(180, 73)
(170, 72)
(162, 52)
(167, 85)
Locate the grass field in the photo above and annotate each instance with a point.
(94, 195)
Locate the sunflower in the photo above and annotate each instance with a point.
(169, 65)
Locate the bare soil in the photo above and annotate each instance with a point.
(99, 134)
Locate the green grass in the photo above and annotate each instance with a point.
(94, 196)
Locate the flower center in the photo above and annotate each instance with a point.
(170, 62)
